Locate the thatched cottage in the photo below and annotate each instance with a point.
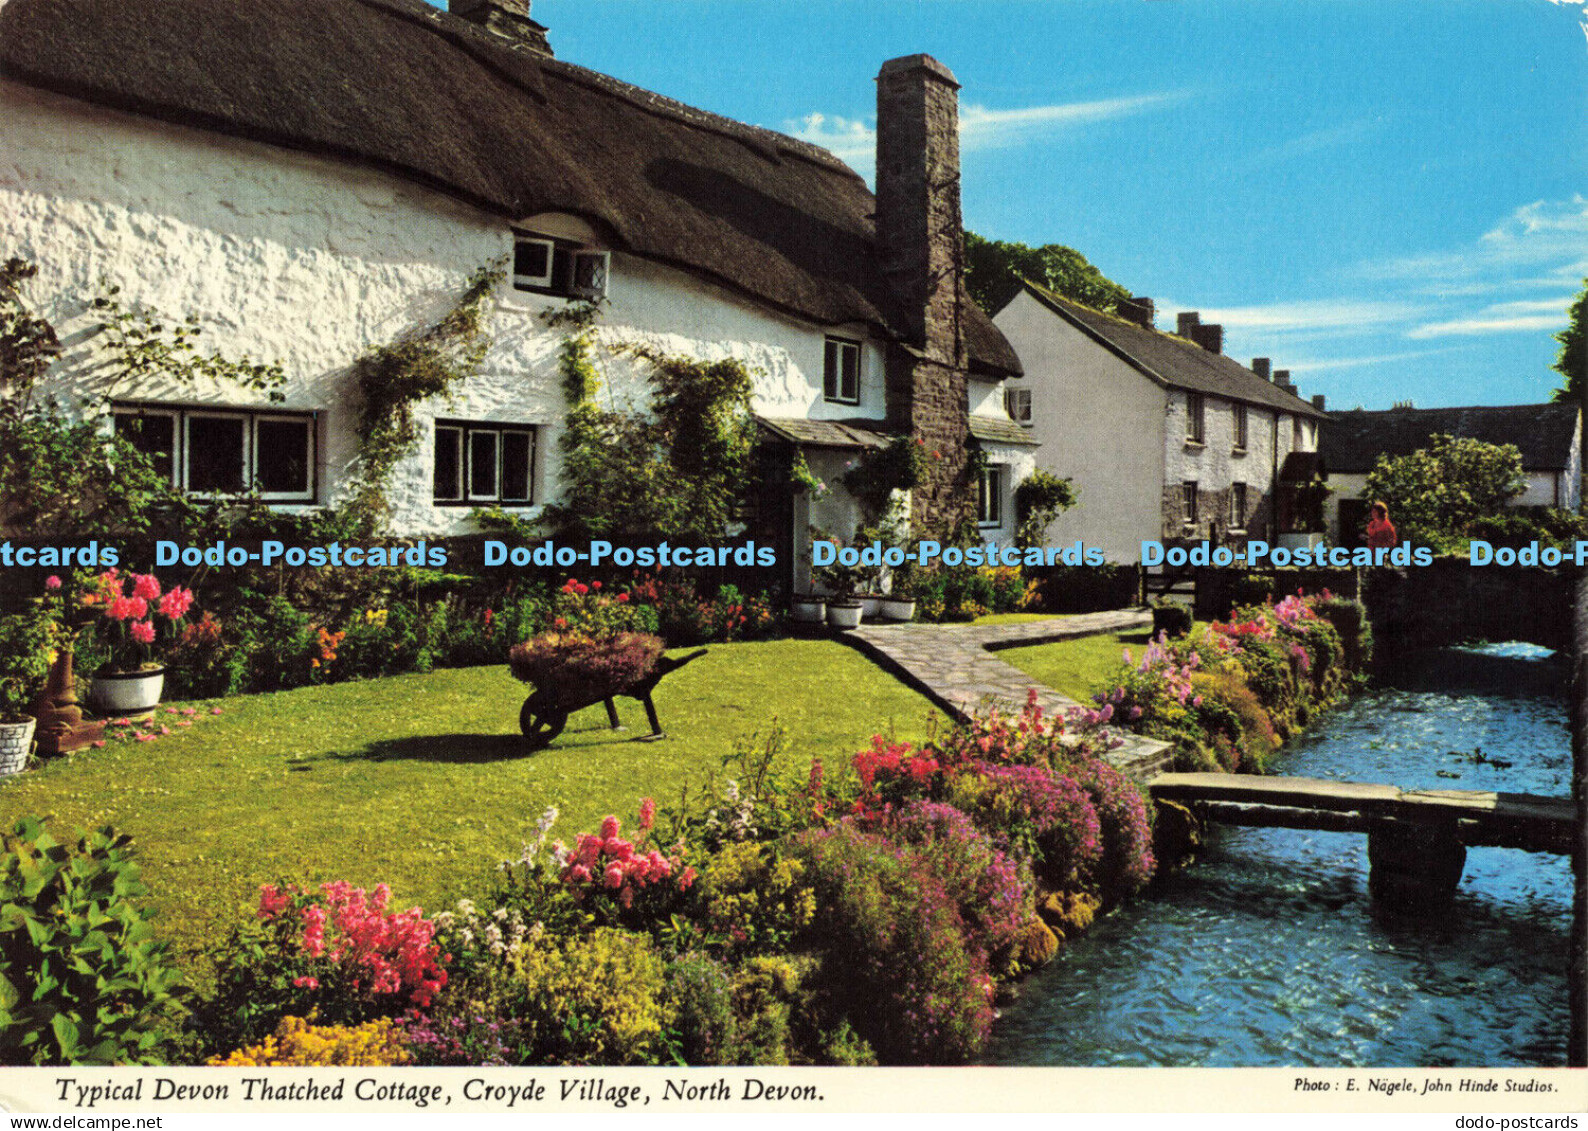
(314, 177)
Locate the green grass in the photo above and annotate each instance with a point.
(1076, 667)
(1014, 618)
(422, 781)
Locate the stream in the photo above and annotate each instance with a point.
(1267, 951)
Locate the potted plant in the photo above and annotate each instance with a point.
(133, 614)
(24, 662)
(808, 608)
(843, 610)
(899, 604)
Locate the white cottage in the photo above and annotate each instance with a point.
(1164, 437)
(1549, 437)
(312, 178)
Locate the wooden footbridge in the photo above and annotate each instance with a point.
(1417, 838)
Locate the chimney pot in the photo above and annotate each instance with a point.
(1210, 336)
(1317, 401)
(1260, 366)
(1185, 323)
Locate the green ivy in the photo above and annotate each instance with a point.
(393, 378)
(1039, 499)
(139, 345)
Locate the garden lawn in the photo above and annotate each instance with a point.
(422, 781)
(1076, 667)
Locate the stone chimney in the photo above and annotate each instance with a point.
(1282, 379)
(1139, 309)
(921, 249)
(1210, 336)
(919, 229)
(508, 20)
(1317, 401)
(1260, 366)
(1185, 323)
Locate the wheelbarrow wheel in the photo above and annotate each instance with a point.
(540, 723)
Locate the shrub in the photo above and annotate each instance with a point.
(899, 965)
(1174, 620)
(597, 999)
(700, 991)
(752, 899)
(1127, 862)
(1039, 816)
(82, 978)
(297, 1042)
(337, 952)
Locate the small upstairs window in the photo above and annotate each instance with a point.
(841, 371)
(1195, 414)
(1017, 403)
(1240, 428)
(558, 267)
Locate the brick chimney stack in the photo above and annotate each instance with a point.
(1210, 336)
(1282, 379)
(1318, 401)
(919, 229)
(1260, 366)
(1139, 309)
(507, 20)
(1186, 323)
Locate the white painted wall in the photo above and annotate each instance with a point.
(1100, 423)
(289, 257)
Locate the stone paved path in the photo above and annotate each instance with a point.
(954, 665)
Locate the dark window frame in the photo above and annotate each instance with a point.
(1021, 397)
(1238, 504)
(1188, 502)
(466, 431)
(565, 261)
(1242, 427)
(833, 350)
(1195, 418)
(182, 417)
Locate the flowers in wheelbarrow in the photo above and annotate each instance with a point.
(585, 669)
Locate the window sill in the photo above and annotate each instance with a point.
(1194, 445)
(1237, 453)
(847, 404)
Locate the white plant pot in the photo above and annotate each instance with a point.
(127, 693)
(844, 616)
(16, 742)
(898, 608)
(869, 606)
(809, 610)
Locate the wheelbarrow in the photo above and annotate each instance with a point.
(546, 711)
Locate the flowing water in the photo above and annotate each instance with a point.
(1267, 951)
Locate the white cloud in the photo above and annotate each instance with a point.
(1542, 243)
(1581, 6)
(1355, 362)
(1311, 315)
(854, 140)
(1330, 137)
(1500, 318)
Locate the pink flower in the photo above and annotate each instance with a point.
(142, 632)
(147, 737)
(176, 603)
(120, 608)
(99, 744)
(613, 876)
(216, 711)
(146, 585)
(307, 982)
(52, 582)
(190, 710)
(609, 828)
(647, 813)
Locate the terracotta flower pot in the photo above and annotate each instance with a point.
(127, 693)
(16, 742)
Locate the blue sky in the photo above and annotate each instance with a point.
(1388, 198)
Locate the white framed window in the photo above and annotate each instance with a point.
(1237, 506)
(1195, 418)
(480, 463)
(1017, 403)
(557, 267)
(841, 371)
(1240, 428)
(214, 451)
(990, 495)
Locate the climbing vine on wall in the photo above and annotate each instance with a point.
(393, 378)
(677, 472)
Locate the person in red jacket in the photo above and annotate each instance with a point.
(1380, 530)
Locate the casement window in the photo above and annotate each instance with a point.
(1195, 414)
(1188, 502)
(841, 371)
(1017, 403)
(1238, 506)
(1240, 428)
(483, 464)
(557, 267)
(990, 495)
(214, 451)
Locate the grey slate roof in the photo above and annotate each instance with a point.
(996, 431)
(415, 92)
(824, 433)
(1351, 442)
(1172, 360)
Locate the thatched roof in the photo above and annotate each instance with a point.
(413, 91)
(1172, 360)
(1352, 441)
